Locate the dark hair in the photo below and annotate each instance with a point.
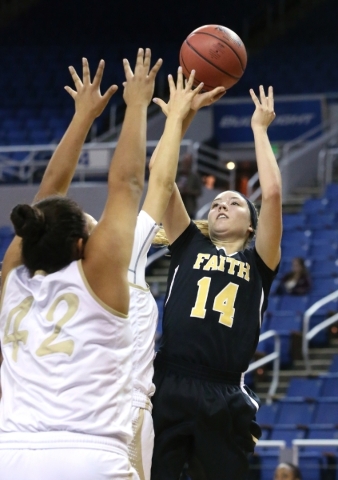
(49, 230)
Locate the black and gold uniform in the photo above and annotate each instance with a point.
(212, 318)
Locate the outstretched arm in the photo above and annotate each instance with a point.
(108, 250)
(269, 230)
(176, 218)
(163, 173)
(89, 104)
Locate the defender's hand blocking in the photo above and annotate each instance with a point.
(264, 113)
(87, 96)
(139, 85)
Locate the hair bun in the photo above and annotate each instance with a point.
(28, 221)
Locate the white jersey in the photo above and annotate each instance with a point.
(67, 357)
(143, 311)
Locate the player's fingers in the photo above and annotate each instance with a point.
(262, 95)
(71, 92)
(99, 73)
(270, 99)
(75, 77)
(191, 79)
(180, 80)
(85, 72)
(216, 91)
(147, 59)
(161, 103)
(172, 88)
(139, 58)
(127, 70)
(218, 95)
(198, 89)
(254, 97)
(153, 72)
(110, 92)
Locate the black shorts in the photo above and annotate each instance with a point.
(212, 421)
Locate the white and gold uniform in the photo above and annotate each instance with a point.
(143, 314)
(66, 380)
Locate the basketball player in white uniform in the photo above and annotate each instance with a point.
(143, 311)
(65, 334)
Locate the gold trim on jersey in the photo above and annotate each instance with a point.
(93, 294)
(135, 446)
(3, 288)
(40, 272)
(139, 287)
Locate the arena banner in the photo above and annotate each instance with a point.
(295, 115)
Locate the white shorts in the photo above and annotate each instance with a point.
(54, 456)
(142, 444)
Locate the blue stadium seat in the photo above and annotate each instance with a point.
(330, 386)
(334, 364)
(296, 412)
(323, 266)
(292, 221)
(322, 248)
(309, 388)
(267, 414)
(302, 237)
(325, 234)
(331, 191)
(322, 220)
(295, 303)
(315, 205)
(287, 433)
(326, 411)
(324, 286)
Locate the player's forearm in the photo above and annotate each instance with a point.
(187, 122)
(268, 170)
(62, 165)
(128, 162)
(167, 154)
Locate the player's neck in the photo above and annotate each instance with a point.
(229, 245)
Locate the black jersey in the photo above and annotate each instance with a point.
(214, 303)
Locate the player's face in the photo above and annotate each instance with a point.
(229, 212)
(283, 473)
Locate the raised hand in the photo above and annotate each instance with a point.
(181, 95)
(207, 98)
(264, 113)
(200, 100)
(139, 85)
(87, 96)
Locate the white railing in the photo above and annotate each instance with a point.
(309, 334)
(296, 444)
(271, 357)
(281, 444)
(94, 160)
(294, 152)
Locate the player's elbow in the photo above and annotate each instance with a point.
(133, 183)
(273, 193)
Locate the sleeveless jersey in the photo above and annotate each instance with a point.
(143, 311)
(214, 303)
(67, 357)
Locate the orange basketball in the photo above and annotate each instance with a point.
(216, 53)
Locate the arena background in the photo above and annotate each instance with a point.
(292, 45)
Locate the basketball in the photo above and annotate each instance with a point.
(216, 53)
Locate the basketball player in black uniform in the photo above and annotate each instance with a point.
(217, 293)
